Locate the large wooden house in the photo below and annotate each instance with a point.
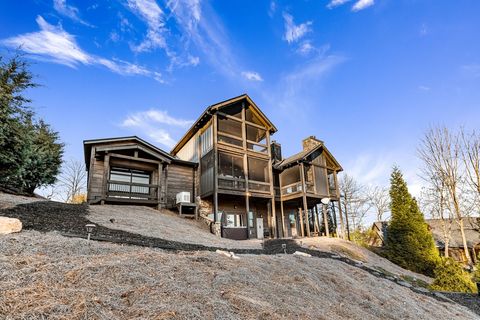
(228, 163)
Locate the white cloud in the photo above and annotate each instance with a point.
(305, 48)
(335, 3)
(252, 76)
(154, 17)
(66, 10)
(149, 122)
(295, 32)
(362, 4)
(424, 30)
(424, 88)
(54, 44)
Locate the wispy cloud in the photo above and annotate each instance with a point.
(424, 88)
(357, 6)
(272, 8)
(158, 125)
(252, 76)
(424, 30)
(154, 17)
(335, 3)
(294, 32)
(362, 4)
(203, 29)
(68, 11)
(54, 44)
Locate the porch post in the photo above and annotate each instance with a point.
(325, 220)
(304, 192)
(283, 218)
(106, 169)
(317, 224)
(300, 217)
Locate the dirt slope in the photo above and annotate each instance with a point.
(45, 275)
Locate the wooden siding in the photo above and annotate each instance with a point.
(180, 178)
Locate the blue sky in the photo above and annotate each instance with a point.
(366, 76)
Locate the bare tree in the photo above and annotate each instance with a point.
(354, 204)
(379, 198)
(434, 202)
(72, 180)
(471, 158)
(440, 150)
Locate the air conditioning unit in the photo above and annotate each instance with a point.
(183, 197)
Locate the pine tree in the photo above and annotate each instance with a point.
(30, 151)
(409, 242)
(450, 276)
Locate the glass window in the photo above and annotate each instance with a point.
(258, 170)
(229, 126)
(122, 178)
(230, 166)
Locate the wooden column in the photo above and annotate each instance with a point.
(159, 186)
(316, 219)
(90, 174)
(215, 170)
(304, 192)
(272, 190)
(300, 217)
(283, 218)
(106, 169)
(340, 213)
(325, 220)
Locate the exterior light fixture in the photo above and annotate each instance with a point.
(90, 228)
(325, 201)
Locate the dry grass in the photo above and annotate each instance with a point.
(352, 251)
(49, 276)
(165, 225)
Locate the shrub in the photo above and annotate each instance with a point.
(450, 276)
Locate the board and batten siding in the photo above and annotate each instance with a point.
(202, 141)
(180, 178)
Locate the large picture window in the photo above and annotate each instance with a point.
(127, 180)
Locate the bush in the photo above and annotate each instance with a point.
(450, 276)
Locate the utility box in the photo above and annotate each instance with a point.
(259, 228)
(183, 197)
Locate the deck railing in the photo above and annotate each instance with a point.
(130, 190)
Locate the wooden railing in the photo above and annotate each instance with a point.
(127, 190)
(225, 182)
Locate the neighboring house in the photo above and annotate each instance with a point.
(455, 247)
(229, 165)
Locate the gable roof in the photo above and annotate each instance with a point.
(208, 113)
(304, 154)
(130, 142)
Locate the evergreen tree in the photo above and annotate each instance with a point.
(30, 151)
(450, 276)
(409, 242)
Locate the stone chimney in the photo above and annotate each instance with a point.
(276, 149)
(311, 142)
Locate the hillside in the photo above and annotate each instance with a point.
(173, 271)
(47, 275)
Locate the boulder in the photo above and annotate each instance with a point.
(10, 225)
